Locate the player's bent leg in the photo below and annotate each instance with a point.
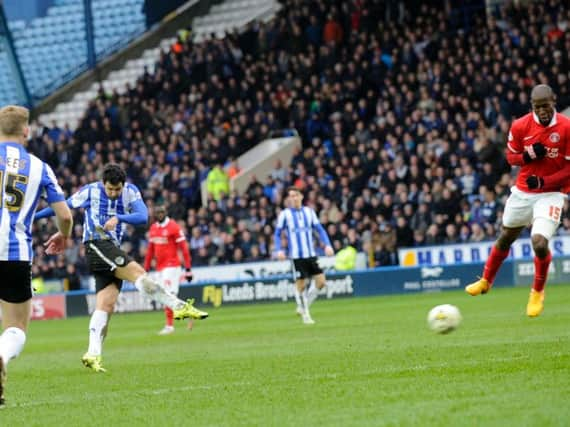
(498, 254)
(134, 273)
(131, 272)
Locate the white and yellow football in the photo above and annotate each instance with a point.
(444, 318)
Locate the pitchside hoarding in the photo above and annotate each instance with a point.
(473, 252)
(394, 280)
(45, 307)
(558, 273)
(269, 290)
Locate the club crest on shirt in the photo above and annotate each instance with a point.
(554, 137)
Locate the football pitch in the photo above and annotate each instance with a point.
(367, 362)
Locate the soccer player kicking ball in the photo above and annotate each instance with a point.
(109, 206)
(300, 221)
(166, 240)
(539, 143)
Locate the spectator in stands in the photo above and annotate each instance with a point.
(218, 183)
(389, 104)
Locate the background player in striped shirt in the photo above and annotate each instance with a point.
(109, 206)
(299, 222)
(166, 241)
(23, 179)
(539, 142)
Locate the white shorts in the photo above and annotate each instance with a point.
(542, 210)
(170, 278)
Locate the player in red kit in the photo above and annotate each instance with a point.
(539, 143)
(166, 239)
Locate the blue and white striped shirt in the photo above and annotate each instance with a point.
(129, 208)
(23, 180)
(299, 224)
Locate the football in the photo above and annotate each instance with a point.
(444, 318)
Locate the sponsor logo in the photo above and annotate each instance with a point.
(48, 307)
(119, 260)
(280, 290)
(431, 272)
(528, 137)
(430, 285)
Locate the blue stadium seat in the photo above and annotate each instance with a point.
(54, 44)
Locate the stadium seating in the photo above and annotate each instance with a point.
(51, 46)
(221, 19)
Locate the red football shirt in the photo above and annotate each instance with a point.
(165, 239)
(527, 130)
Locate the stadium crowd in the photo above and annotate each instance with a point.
(403, 111)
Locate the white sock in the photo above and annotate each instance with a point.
(12, 343)
(298, 298)
(305, 302)
(156, 292)
(97, 328)
(312, 294)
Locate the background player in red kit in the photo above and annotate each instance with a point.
(539, 143)
(166, 239)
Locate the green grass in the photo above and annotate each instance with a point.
(367, 362)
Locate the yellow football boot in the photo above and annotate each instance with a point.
(188, 311)
(93, 362)
(481, 286)
(535, 303)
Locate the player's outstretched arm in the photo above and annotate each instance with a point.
(49, 211)
(64, 219)
(77, 200)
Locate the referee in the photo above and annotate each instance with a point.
(299, 221)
